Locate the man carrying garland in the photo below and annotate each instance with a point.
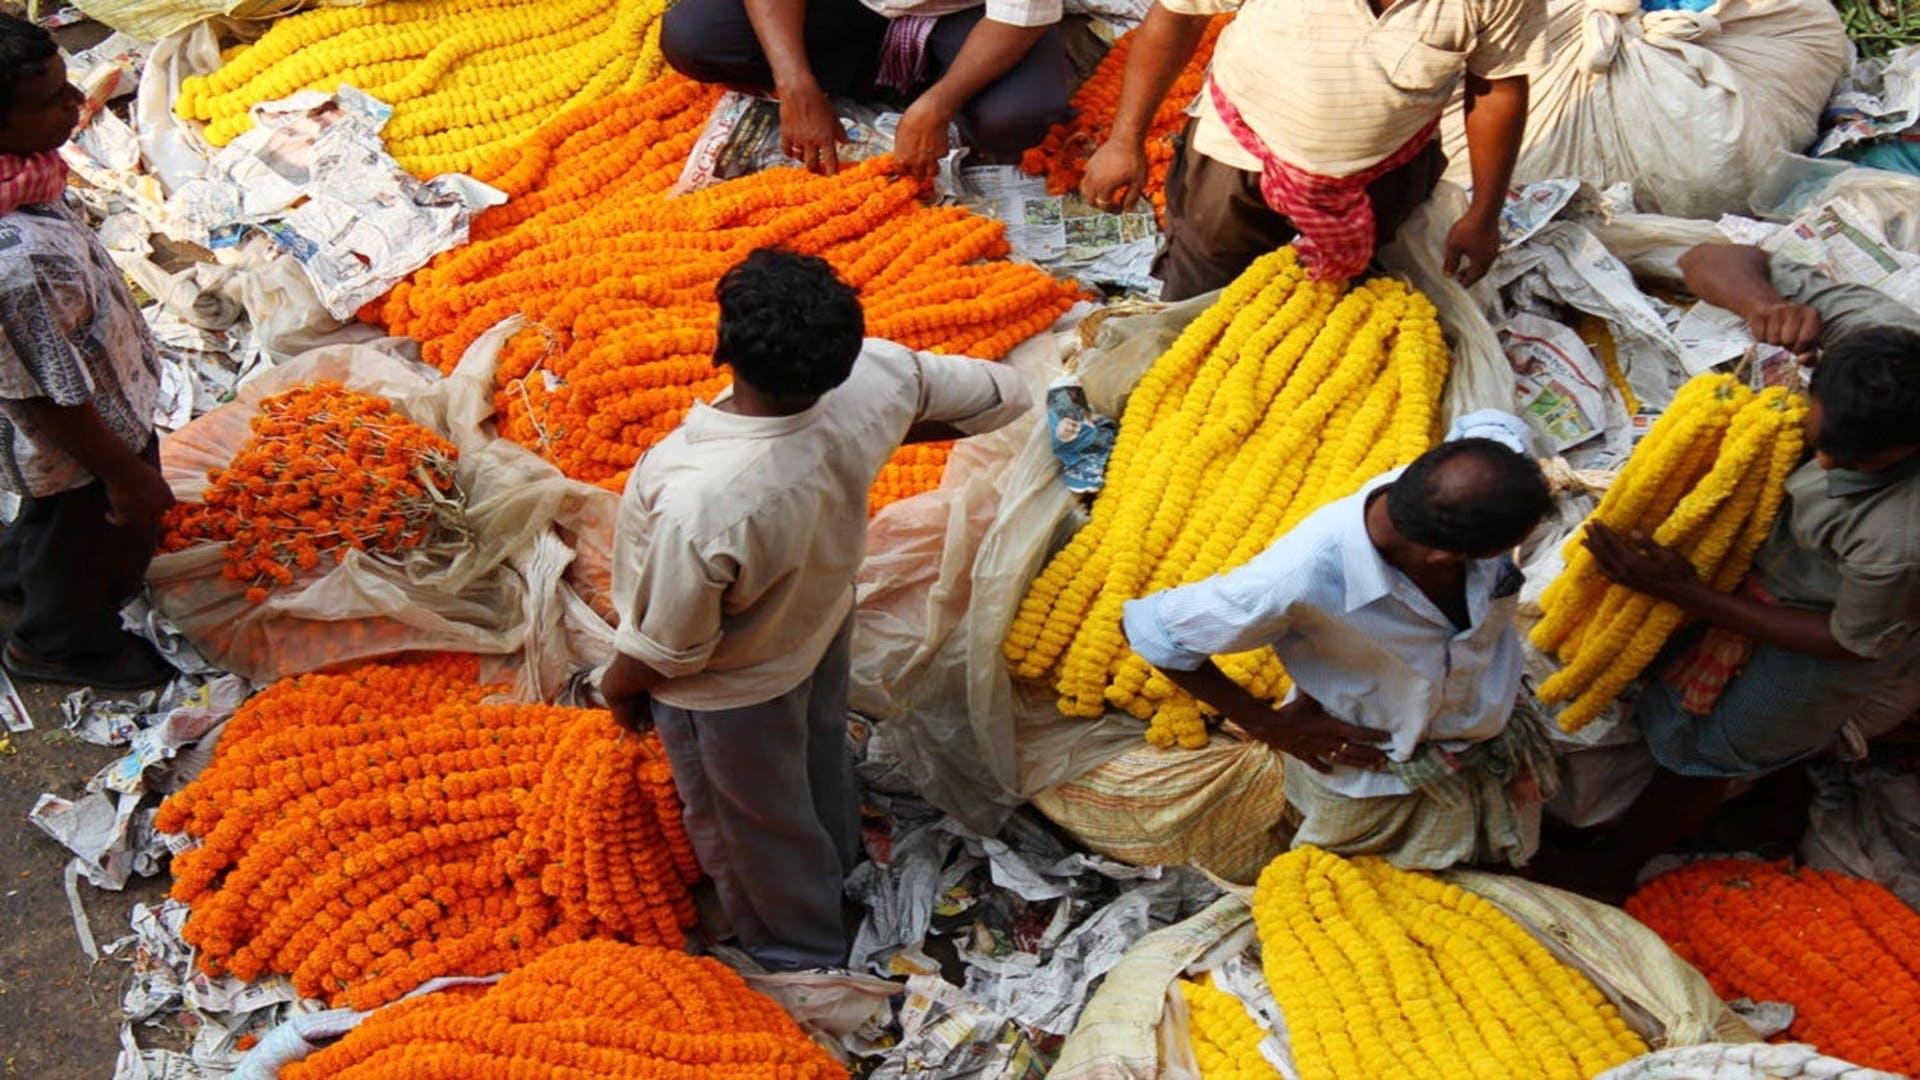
(1317, 127)
(1821, 649)
(1393, 612)
(998, 67)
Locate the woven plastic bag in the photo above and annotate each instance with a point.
(501, 592)
(1688, 107)
(151, 20)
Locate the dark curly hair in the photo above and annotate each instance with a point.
(789, 327)
(23, 47)
(1868, 384)
(1470, 497)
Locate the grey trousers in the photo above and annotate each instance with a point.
(773, 811)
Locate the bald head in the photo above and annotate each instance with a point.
(1473, 497)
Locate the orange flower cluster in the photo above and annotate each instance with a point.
(1843, 951)
(592, 1009)
(368, 830)
(327, 470)
(617, 278)
(1062, 156)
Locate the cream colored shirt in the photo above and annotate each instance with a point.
(1331, 88)
(738, 536)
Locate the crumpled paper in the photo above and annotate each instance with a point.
(948, 1035)
(312, 173)
(1743, 1061)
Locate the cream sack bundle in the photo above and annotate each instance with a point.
(1687, 107)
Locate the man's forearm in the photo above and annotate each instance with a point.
(1210, 685)
(1162, 45)
(1732, 276)
(1496, 120)
(990, 51)
(780, 25)
(1793, 629)
(79, 431)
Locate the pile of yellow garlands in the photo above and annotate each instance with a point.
(466, 78)
(596, 1009)
(1708, 480)
(617, 280)
(1285, 395)
(1386, 972)
(369, 830)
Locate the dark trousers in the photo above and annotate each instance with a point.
(1218, 223)
(75, 571)
(713, 41)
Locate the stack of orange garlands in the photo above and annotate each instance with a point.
(594, 1009)
(617, 277)
(1062, 156)
(327, 470)
(1844, 952)
(369, 830)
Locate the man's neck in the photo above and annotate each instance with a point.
(1445, 583)
(747, 401)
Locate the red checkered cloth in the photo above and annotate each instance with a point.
(31, 178)
(1332, 213)
(1701, 674)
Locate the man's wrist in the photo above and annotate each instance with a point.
(797, 85)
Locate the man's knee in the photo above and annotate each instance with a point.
(1009, 124)
(699, 39)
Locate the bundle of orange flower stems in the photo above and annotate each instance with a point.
(1844, 952)
(366, 831)
(327, 471)
(617, 278)
(592, 1009)
(1062, 156)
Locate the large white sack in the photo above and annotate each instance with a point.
(1688, 107)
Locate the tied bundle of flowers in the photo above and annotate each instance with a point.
(1062, 156)
(326, 471)
(368, 830)
(617, 281)
(467, 79)
(594, 1008)
(1844, 952)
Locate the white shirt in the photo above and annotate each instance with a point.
(1332, 88)
(738, 536)
(1355, 633)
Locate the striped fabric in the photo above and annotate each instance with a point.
(31, 178)
(1700, 674)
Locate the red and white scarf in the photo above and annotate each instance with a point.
(26, 179)
(1333, 214)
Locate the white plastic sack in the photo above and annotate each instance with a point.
(1687, 106)
(1743, 1061)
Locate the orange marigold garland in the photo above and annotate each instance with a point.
(617, 279)
(327, 470)
(1843, 951)
(1062, 156)
(596, 1009)
(368, 830)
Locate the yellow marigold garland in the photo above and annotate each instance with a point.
(466, 78)
(1283, 396)
(595, 1008)
(369, 830)
(1708, 480)
(1386, 972)
(1226, 1041)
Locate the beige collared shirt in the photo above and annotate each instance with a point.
(738, 536)
(1332, 88)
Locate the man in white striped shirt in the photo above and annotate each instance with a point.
(1393, 612)
(1328, 121)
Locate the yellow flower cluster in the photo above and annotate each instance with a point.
(466, 78)
(1708, 481)
(1226, 1041)
(1387, 972)
(1280, 398)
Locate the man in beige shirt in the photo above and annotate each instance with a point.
(738, 538)
(1317, 126)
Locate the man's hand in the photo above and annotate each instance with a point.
(810, 133)
(1307, 731)
(920, 142)
(1791, 326)
(1472, 245)
(1640, 564)
(140, 499)
(1116, 175)
(627, 685)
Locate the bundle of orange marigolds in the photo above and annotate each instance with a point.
(327, 471)
(595, 1009)
(616, 279)
(370, 830)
